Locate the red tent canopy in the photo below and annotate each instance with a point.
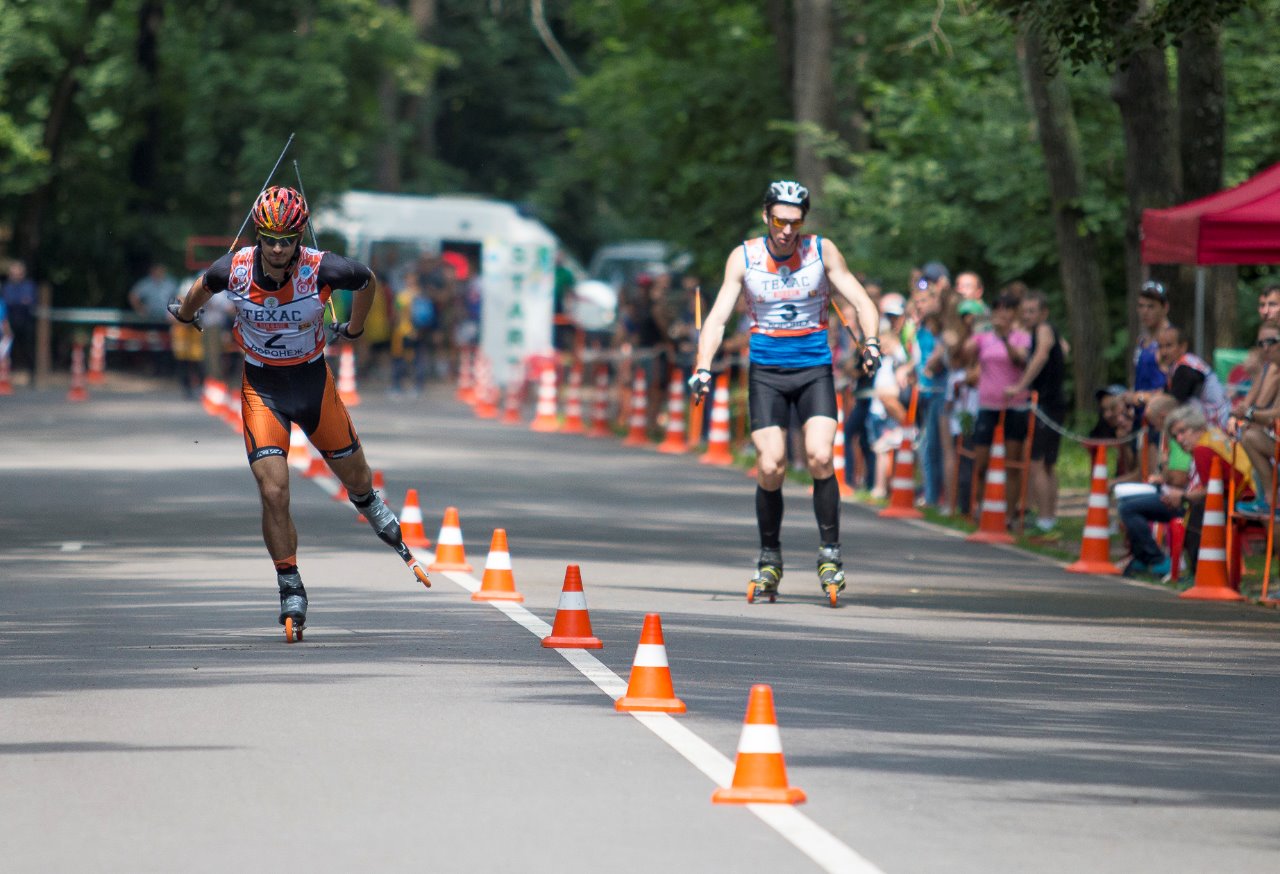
(1238, 226)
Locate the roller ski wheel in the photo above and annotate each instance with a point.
(293, 629)
(414, 565)
(831, 573)
(765, 583)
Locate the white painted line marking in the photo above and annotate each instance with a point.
(71, 546)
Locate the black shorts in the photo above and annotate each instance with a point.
(1045, 442)
(773, 391)
(1015, 426)
(273, 397)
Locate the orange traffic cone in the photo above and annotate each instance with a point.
(98, 356)
(486, 392)
(450, 556)
(902, 486)
(837, 452)
(6, 384)
(299, 455)
(675, 441)
(315, 465)
(1213, 580)
(213, 396)
(718, 450)
(231, 411)
(1095, 545)
(78, 391)
(411, 530)
(573, 402)
(572, 626)
(544, 415)
(638, 435)
(498, 584)
(466, 378)
(600, 405)
(650, 686)
(347, 377)
(511, 405)
(759, 774)
(993, 524)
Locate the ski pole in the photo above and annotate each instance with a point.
(296, 172)
(274, 168)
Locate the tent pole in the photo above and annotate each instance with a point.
(1200, 311)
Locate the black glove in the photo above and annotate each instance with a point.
(175, 308)
(342, 330)
(700, 384)
(871, 357)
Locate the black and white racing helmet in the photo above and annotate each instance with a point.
(788, 192)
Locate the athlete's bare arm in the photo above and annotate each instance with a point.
(361, 304)
(197, 296)
(843, 281)
(713, 325)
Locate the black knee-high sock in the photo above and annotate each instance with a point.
(826, 506)
(769, 517)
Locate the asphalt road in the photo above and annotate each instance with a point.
(966, 709)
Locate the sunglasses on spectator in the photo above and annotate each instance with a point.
(1268, 342)
(781, 223)
(283, 242)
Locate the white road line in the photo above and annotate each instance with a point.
(825, 849)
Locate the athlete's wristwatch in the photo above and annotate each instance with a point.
(1248, 413)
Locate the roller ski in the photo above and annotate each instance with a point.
(831, 572)
(293, 605)
(387, 527)
(768, 575)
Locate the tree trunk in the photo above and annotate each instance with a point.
(387, 163)
(777, 16)
(1202, 124)
(420, 111)
(1086, 300)
(1140, 88)
(813, 91)
(144, 161)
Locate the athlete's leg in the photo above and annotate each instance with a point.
(819, 443)
(353, 472)
(278, 531)
(771, 456)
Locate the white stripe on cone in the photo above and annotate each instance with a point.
(651, 655)
(498, 561)
(573, 601)
(450, 536)
(1096, 532)
(1212, 554)
(759, 738)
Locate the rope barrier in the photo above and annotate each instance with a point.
(1043, 418)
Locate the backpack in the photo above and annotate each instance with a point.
(422, 313)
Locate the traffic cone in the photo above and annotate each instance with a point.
(315, 465)
(639, 422)
(1095, 545)
(759, 774)
(299, 456)
(993, 524)
(411, 530)
(650, 688)
(573, 402)
(213, 395)
(6, 383)
(837, 452)
(78, 392)
(902, 486)
(230, 414)
(572, 626)
(675, 441)
(1213, 579)
(486, 405)
(98, 356)
(450, 555)
(347, 377)
(600, 405)
(498, 584)
(544, 415)
(511, 405)
(466, 377)
(718, 450)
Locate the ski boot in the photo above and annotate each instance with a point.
(768, 575)
(293, 605)
(831, 572)
(387, 527)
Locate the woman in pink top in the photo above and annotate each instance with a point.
(1001, 354)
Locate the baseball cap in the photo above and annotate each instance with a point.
(971, 308)
(892, 304)
(935, 270)
(1113, 390)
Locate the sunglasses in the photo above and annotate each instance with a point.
(1268, 342)
(781, 223)
(283, 242)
